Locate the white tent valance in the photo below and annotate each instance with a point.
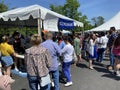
(115, 21)
(36, 12)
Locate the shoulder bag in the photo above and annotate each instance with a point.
(44, 80)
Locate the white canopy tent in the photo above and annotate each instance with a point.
(37, 12)
(115, 21)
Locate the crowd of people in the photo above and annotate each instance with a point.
(45, 54)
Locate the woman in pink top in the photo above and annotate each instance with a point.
(116, 52)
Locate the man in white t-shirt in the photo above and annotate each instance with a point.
(102, 44)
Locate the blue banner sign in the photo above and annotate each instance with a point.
(65, 24)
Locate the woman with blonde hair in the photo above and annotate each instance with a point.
(7, 52)
(38, 62)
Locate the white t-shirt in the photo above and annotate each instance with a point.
(102, 42)
(105, 41)
(68, 52)
(97, 42)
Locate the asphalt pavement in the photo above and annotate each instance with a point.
(83, 78)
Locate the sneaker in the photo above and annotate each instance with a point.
(68, 84)
(118, 75)
(59, 64)
(114, 73)
(91, 68)
(52, 84)
(110, 68)
(16, 69)
(38, 87)
(20, 72)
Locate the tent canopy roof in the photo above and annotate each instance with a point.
(36, 11)
(115, 21)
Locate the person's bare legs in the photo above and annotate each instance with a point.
(90, 64)
(116, 66)
(0, 69)
(8, 72)
(80, 59)
(16, 63)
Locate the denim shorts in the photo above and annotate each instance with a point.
(7, 60)
(118, 57)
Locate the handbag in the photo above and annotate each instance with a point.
(44, 80)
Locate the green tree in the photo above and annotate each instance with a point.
(59, 9)
(3, 6)
(98, 21)
(94, 21)
(86, 23)
(69, 9)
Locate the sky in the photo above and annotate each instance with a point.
(91, 8)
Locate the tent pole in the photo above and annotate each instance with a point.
(39, 26)
(39, 23)
(83, 31)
